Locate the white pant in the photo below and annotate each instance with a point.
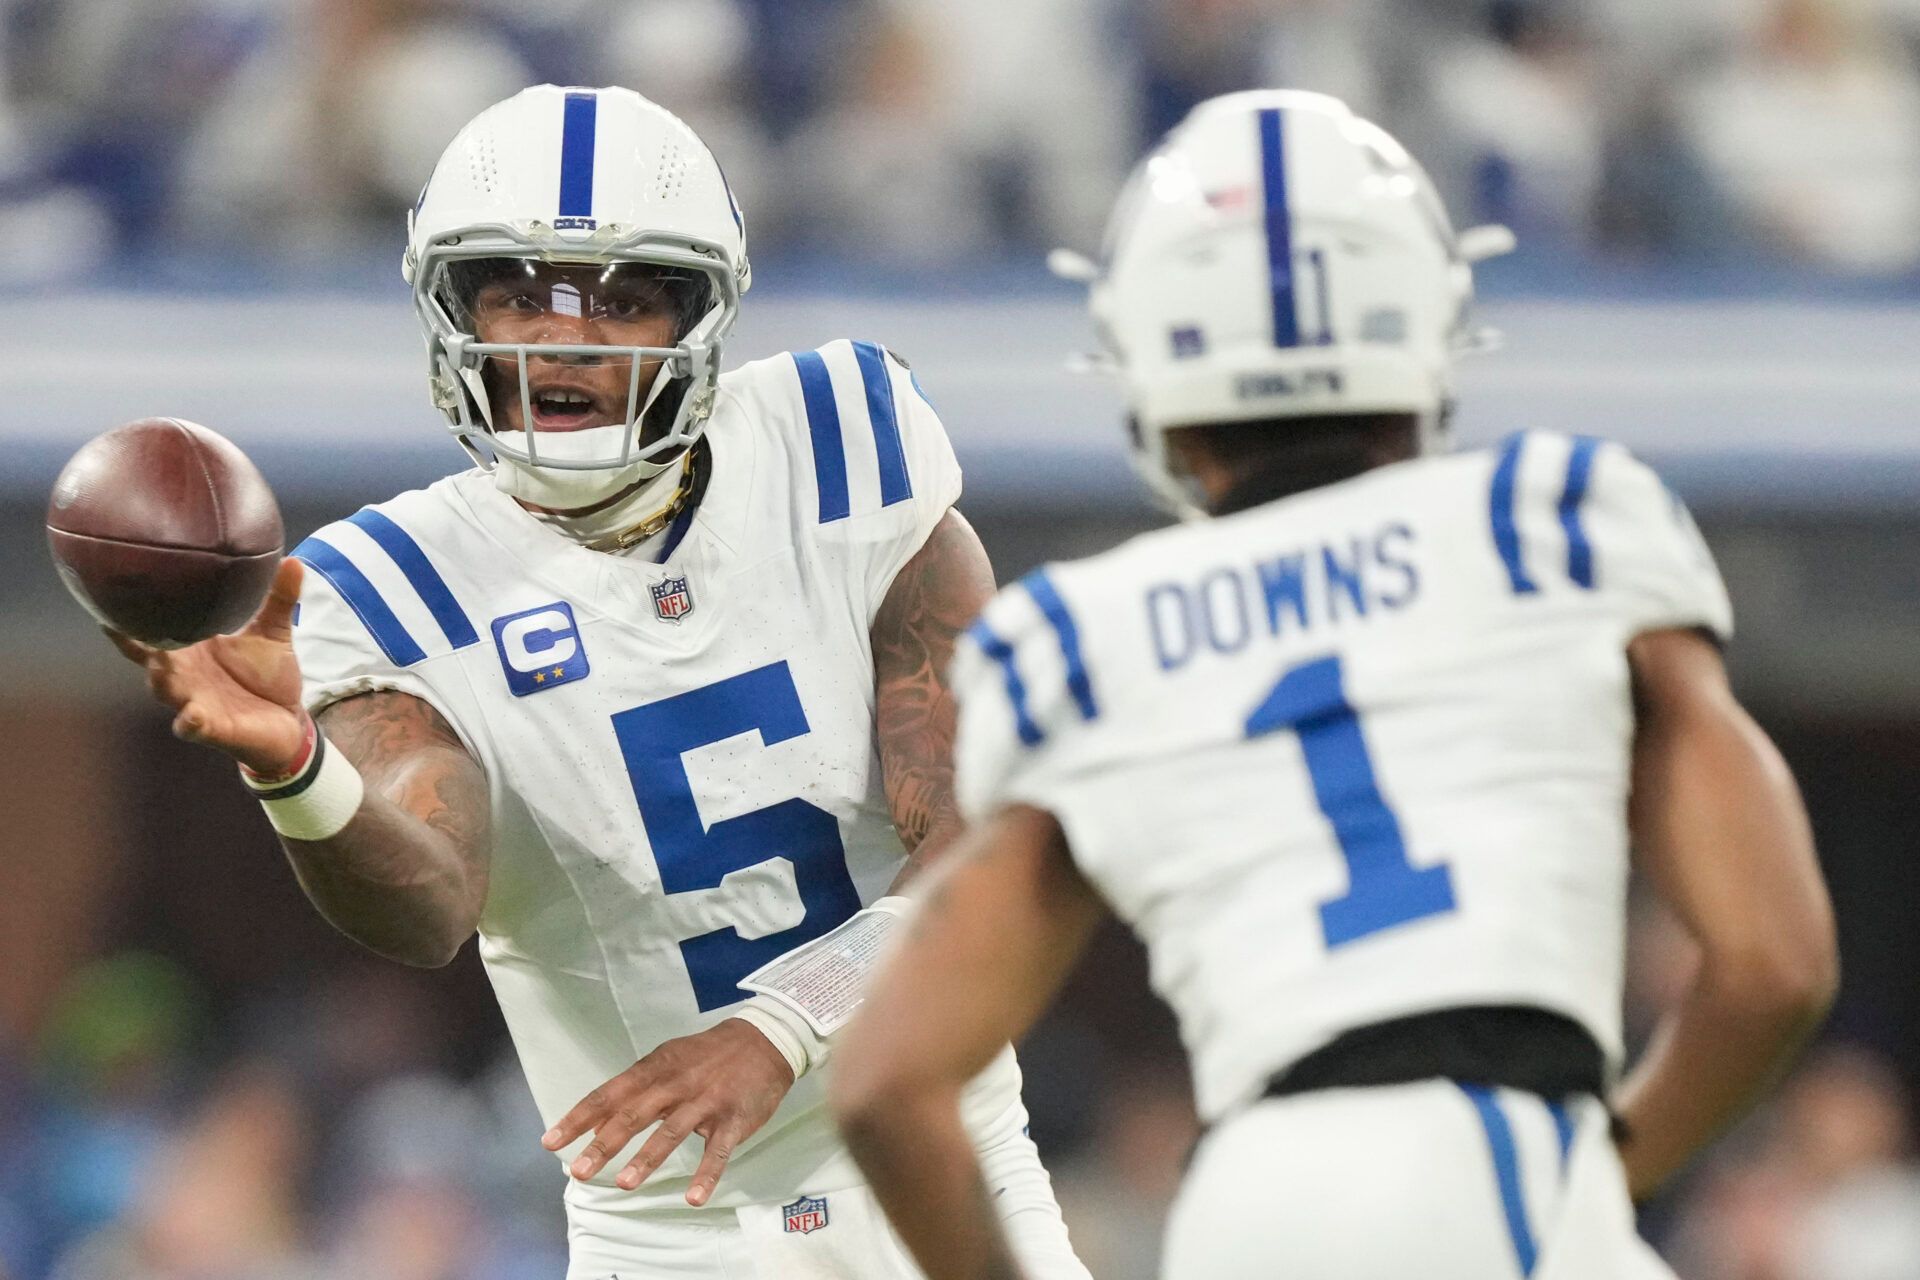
(844, 1236)
(1433, 1180)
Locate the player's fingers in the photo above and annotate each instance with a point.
(127, 645)
(612, 1135)
(661, 1143)
(275, 619)
(195, 723)
(720, 1144)
(584, 1116)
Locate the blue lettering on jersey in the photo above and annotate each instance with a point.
(540, 648)
(1341, 580)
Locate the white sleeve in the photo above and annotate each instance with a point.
(362, 627)
(884, 470)
(1648, 555)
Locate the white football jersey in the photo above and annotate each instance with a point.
(1354, 755)
(681, 754)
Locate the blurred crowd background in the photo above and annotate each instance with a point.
(931, 133)
(199, 1081)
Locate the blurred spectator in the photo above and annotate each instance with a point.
(1341, 47)
(694, 57)
(1518, 112)
(1828, 1190)
(1813, 129)
(327, 134)
(219, 1202)
(1194, 49)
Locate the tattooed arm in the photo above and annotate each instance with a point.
(934, 598)
(407, 877)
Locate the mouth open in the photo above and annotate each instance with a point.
(566, 409)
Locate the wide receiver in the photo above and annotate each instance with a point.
(651, 699)
(1360, 757)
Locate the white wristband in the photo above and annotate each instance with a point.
(786, 1031)
(316, 803)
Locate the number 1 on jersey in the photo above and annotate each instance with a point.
(1384, 889)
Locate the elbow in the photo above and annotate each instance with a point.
(420, 950)
(1788, 981)
(868, 1097)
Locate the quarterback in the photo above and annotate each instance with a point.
(651, 699)
(1360, 752)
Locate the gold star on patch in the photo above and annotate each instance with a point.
(558, 672)
(539, 677)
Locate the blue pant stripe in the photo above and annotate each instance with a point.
(895, 484)
(421, 575)
(1563, 1128)
(1273, 169)
(1506, 1170)
(1054, 609)
(823, 424)
(577, 128)
(1579, 472)
(1002, 652)
(362, 597)
(1506, 533)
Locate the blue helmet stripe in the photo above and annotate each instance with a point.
(823, 425)
(895, 484)
(421, 575)
(576, 155)
(363, 598)
(1273, 168)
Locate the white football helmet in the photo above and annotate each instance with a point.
(1278, 257)
(578, 176)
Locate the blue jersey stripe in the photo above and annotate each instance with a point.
(895, 485)
(1563, 1128)
(1273, 169)
(421, 575)
(1506, 534)
(577, 127)
(1579, 472)
(1054, 609)
(1506, 1171)
(361, 596)
(823, 424)
(1002, 652)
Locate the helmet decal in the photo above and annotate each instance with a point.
(576, 161)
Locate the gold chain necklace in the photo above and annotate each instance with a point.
(657, 521)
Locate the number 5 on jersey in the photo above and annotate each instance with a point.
(690, 856)
(1384, 889)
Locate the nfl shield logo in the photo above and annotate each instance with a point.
(808, 1213)
(671, 599)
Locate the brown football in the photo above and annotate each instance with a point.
(164, 530)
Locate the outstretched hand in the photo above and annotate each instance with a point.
(239, 693)
(722, 1083)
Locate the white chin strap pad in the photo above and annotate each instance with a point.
(564, 488)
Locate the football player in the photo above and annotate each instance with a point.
(1360, 756)
(651, 698)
